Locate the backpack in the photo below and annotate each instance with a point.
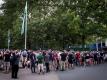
(24, 54)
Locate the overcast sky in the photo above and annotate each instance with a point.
(1, 2)
(0, 5)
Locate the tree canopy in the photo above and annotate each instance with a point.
(53, 23)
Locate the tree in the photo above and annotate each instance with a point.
(54, 23)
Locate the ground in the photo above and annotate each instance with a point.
(97, 72)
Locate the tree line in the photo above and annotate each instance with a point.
(54, 24)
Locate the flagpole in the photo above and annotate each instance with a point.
(8, 46)
(26, 27)
(97, 44)
(8, 39)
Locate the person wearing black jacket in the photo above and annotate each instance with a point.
(63, 60)
(7, 61)
(14, 64)
(70, 60)
(33, 61)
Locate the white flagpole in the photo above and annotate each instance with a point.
(97, 44)
(26, 26)
(8, 39)
(101, 43)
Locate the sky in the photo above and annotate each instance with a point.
(1, 2)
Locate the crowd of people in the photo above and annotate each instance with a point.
(44, 61)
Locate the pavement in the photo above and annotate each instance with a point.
(96, 72)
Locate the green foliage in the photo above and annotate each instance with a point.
(54, 23)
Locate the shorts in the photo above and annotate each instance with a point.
(87, 60)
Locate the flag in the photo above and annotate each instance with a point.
(24, 19)
(26, 15)
(23, 25)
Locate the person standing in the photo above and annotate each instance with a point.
(24, 56)
(40, 63)
(50, 59)
(102, 57)
(78, 57)
(47, 63)
(7, 61)
(15, 64)
(32, 61)
(1, 60)
(63, 60)
(70, 60)
(55, 60)
(95, 58)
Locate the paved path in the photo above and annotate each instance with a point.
(98, 72)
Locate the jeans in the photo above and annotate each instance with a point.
(15, 69)
(32, 67)
(47, 67)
